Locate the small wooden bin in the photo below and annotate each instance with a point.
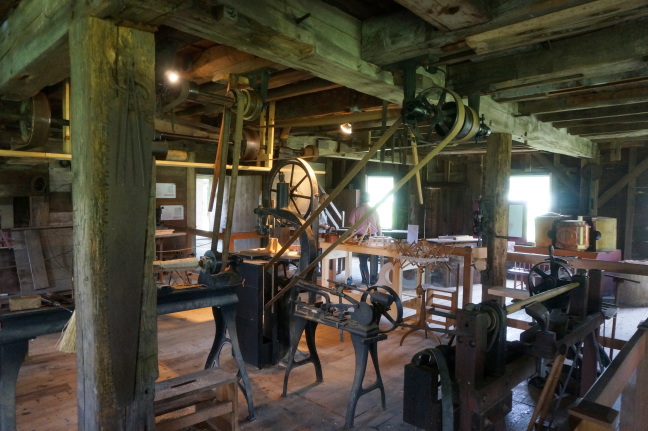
(205, 396)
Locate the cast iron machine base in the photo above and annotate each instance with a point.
(224, 312)
(360, 318)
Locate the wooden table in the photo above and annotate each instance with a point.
(469, 254)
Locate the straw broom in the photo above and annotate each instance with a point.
(67, 342)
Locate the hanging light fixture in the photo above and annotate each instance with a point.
(346, 128)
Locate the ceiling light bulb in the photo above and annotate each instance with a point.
(172, 76)
(346, 128)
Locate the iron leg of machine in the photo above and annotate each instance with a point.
(225, 319)
(363, 347)
(12, 356)
(297, 327)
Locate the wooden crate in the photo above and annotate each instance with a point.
(205, 396)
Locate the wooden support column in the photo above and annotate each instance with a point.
(190, 241)
(495, 209)
(589, 185)
(113, 105)
(630, 206)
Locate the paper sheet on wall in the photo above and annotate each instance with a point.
(165, 190)
(172, 212)
(412, 233)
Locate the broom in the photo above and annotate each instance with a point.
(67, 342)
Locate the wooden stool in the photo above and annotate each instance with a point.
(208, 395)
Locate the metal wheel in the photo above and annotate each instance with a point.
(541, 280)
(382, 297)
(34, 127)
(302, 187)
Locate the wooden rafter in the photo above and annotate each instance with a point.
(616, 188)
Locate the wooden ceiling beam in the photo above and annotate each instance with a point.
(391, 38)
(594, 113)
(591, 130)
(567, 21)
(572, 85)
(619, 49)
(308, 86)
(34, 47)
(536, 134)
(335, 101)
(309, 36)
(638, 94)
(448, 15)
(619, 119)
(215, 63)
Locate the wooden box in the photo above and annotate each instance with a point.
(607, 227)
(24, 302)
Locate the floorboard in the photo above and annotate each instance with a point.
(46, 392)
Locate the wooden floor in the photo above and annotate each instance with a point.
(46, 399)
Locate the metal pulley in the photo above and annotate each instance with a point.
(441, 107)
(34, 118)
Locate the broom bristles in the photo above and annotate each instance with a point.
(67, 342)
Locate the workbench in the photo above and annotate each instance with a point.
(469, 254)
(18, 327)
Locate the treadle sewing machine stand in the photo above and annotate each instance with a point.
(360, 319)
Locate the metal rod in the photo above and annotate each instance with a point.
(541, 297)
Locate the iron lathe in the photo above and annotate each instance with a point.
(468, 386)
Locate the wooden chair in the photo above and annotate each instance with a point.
(444, 299)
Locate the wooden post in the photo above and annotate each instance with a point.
(630, 206)
(113, 105)
(190, 202)
(495, 209)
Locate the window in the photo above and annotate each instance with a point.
(535, 191)
(377, 187)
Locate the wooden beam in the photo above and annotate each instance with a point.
(308, 86)
(572, 21)
(448, 14)
(495, 208)
(388, 39)
(620, 49)
(217, 62)
(557, 173)
(638, 94)
(567, 85)
(335, 101)
(593, 113)
(628, 234)
(113, 106)
(621, 119)
(608, 129)
(501, 118)
(616, 188)
(34, 49)
(326, 43)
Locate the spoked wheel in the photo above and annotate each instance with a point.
(302, 186)
(382, 298)
(541, 280)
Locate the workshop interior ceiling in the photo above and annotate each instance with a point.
(579, 65)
